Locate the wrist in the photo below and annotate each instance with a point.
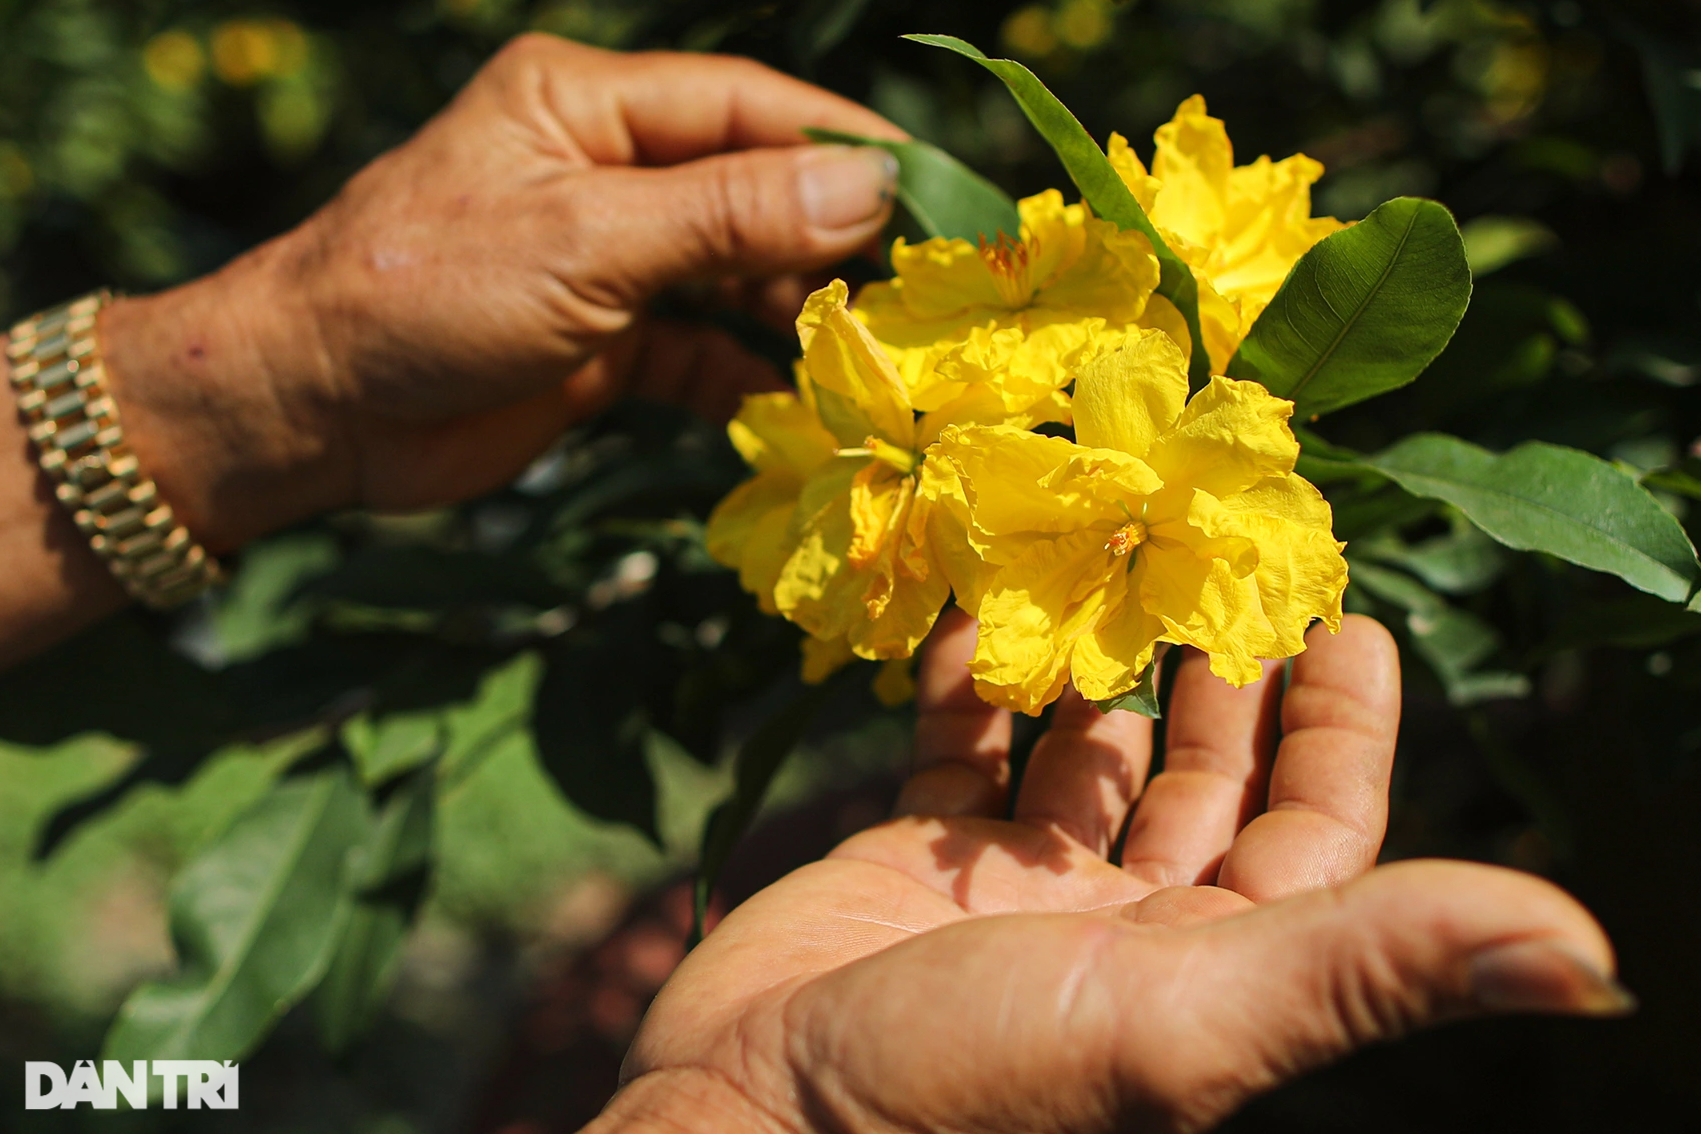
(684, 1100)
(229, 400)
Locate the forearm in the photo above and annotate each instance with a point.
(198, 375)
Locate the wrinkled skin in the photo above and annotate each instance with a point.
(954, 971)
(462, 301)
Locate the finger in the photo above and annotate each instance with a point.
(1216, 755)
(634, 232)
(1284, 988)
(1085, 771)
(962, 744)
(1328, 805)
(661, 108)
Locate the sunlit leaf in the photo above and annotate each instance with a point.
(1363, 312)
(255, 918)
(1541, 497)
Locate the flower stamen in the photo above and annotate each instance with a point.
(1126, 538)
(1011, 264)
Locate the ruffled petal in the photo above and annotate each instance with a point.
(1202, 602)
(1020, 485)
(749, 530)
(1126, 398)
(1114, 275)
(1035, 611)
(1230, 436)
(1132, 170)
(1108, 661)
(844, 359)
(1192, 161)
(778, 432)
(1301, 575)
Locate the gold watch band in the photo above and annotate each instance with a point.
(60, 384)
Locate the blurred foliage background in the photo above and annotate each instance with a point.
(572, 672)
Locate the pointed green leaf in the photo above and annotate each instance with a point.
(1453, 641)
(1100, 185)
(1143, 698)
(1541, 497)
(387, 877)
(255, 918)
(945, 197)
(1363, 312)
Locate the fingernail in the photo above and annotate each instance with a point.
(1543, 976)
(841, 186)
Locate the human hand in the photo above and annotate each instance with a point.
(475, 291)
(953, 971)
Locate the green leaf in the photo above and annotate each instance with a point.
(945, 197)
(757, 762)
(387, 877)
(1453, 642)
(1541, 497)
(1363, 312)
(255, 918)
(1460, 563)
(1100, 185)
(589, 723)
(1683, 478)
(1143, 698)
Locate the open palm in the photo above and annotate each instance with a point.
(953, 971)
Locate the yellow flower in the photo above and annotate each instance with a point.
(1240, 228)
(1010, 322)
(1172, 520)
(837, 529)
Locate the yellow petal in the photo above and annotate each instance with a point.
(1126, 398)
(894, 685)
(818, 588)
(777, 431)
(877, 493)
(1132, 170)
(1020, 484)
(1113, 276)
(942, 278)
(1203, 603)
(1109, 661)
(1053, 236)
(750, 531)
(1230, 436)
(1035, 611)
(1300, 574)
(1162, 315)
(1193, 160)
(823, 657)
(1269, 226)
(947, 518)
(844, 359)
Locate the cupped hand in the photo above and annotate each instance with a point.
(952, 970)
(472, 293)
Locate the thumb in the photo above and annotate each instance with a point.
(1303, 982)
(754, 213)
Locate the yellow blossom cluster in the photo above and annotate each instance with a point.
(905, 467)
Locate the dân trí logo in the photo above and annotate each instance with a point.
(205, 1083)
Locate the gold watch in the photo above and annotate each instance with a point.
(60, 384)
